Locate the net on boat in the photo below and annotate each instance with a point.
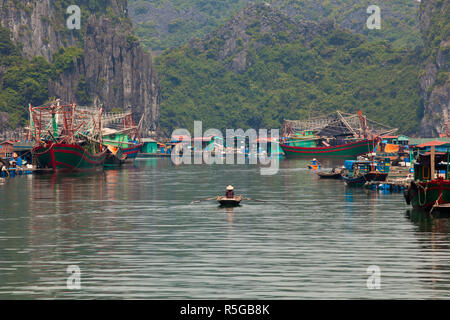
(60, 121)
(338, 124)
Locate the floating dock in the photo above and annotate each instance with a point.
(12, 172)
(392, 185)
(153, 155)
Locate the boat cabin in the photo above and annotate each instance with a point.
(149, 146)
(425, 169)
(122, 139)
(357, 167)
(305, 139)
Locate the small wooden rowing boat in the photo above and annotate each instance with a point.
(229, 202)
(329, 175)
(314, 166)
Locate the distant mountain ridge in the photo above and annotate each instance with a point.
(162, 24)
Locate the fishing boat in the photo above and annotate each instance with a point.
(68, 157)
(431, 186)
(67, 138)
(120, 131)
(229, 202)
(345, 150)
(114, 157)
(338, 135)
(359, 172)
(330, 175)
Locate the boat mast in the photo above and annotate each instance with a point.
(432, 164)
(349, 127)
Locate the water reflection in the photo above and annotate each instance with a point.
(433, 236)
(134, 234)
(435, 222)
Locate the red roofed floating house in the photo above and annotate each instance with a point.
(6, 149)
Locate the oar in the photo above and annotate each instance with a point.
(207, 199)
(254, 200)
(283, 204)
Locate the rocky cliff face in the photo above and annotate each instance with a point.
(32, 25)
(116, 71)
(113, 70)
(435, 78)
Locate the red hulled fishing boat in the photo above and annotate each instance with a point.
(67, 138)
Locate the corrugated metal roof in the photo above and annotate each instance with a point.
(415, 141)
(432, 143)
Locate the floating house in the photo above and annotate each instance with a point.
(6, 149)
(23, 150)
(149, 146)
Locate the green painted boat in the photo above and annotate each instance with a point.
(68, 157)
(347, 150)
(427, 194)
(430, 189)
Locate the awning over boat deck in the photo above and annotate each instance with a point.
(435, 143)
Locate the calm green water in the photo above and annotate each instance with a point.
(134, 234)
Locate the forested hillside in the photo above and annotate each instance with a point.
(262, 67)
(163, 24)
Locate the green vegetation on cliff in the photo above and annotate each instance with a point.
(438, 30)
(22, 81)
(25, 81)
(286, 77)
(163, 24)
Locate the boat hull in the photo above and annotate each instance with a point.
(425, 195)
(361, 180)
(67, 157)
(229, 202)
(348, 150)
(133, 151)
(114, 160)
(329, 175)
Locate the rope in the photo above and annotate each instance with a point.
(436, 203)
(425, 194)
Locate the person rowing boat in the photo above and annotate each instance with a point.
(229, 192)
(314, 164)
(229, 200)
